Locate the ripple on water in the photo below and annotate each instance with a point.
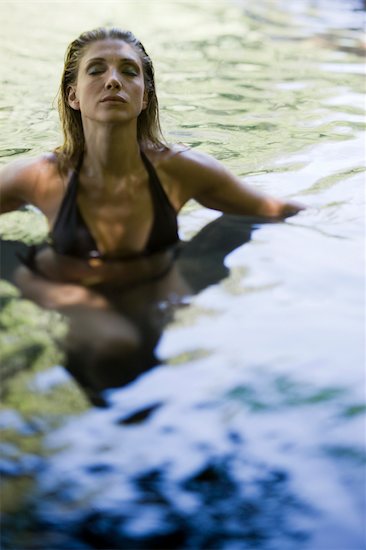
(14, 151)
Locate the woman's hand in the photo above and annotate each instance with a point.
(276, 209)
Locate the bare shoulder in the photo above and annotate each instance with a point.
(180, 156)
(25, 180)
(28, 170)
(189, 173)
(196, 170)
(191, 167)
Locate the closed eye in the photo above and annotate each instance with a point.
(95, 69)
(131, 71)
(129, 68)
(126, 67)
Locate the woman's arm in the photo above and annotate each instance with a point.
(206, 180)
(56, 295)
(59, 282)
(33, 181)
(17, 182)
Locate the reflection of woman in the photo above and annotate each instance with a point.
(112, 191)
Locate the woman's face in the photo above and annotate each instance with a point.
(110, 83)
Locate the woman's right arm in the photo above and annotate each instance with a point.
(17, 184)
(33, 181)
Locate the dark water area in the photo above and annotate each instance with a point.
(239, 420)
(197, 264)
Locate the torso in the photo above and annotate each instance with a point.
(119, 219)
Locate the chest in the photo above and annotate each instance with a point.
(120, 220)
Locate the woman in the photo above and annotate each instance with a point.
(113, 190)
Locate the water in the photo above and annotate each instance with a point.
(250, 433)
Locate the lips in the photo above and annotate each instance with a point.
(113, 98)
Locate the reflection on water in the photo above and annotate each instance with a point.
(150, 307)
(245, 425)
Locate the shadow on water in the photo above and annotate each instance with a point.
(149, 306)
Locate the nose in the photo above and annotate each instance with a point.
(114, 81)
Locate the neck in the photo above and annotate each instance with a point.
(111, 151)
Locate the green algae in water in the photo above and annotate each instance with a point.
(30, 342)
(27, 226)
(28, 337)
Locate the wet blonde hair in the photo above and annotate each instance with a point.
(148, 123)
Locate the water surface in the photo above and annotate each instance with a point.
(250, 430)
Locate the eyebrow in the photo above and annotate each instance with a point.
(122, 59)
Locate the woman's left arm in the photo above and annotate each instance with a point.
(206, 180)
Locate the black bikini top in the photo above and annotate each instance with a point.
(71, 236)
